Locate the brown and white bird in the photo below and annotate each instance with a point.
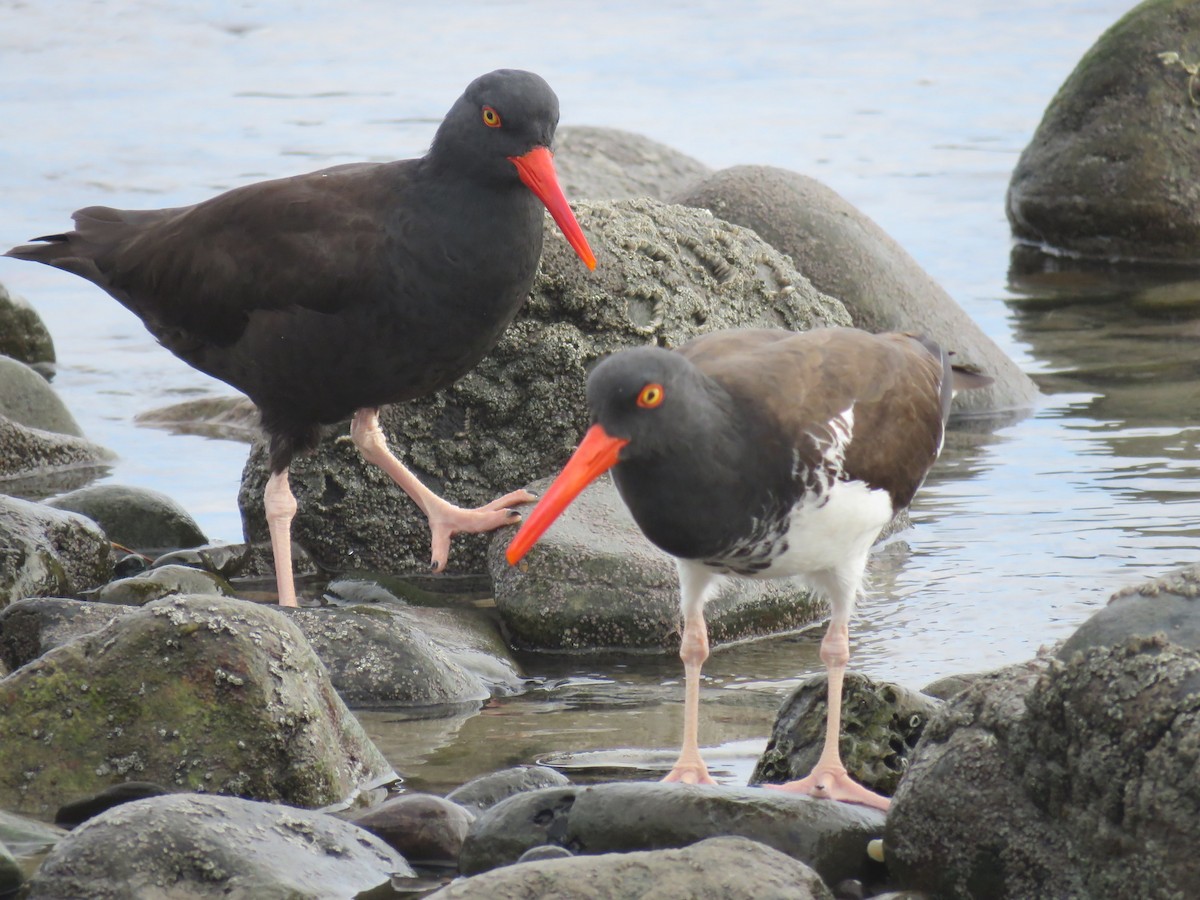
(333, 293)
(764, 454)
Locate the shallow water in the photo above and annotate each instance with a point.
(914, 112)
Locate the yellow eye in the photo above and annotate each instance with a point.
(651, 396)
(491, 118)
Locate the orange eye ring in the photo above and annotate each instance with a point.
(491, 118)
(650, 396)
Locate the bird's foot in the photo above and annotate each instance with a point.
(690, 772)
(447, 520)
(834, 784)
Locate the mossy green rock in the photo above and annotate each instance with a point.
(196, 693)
(1113, 171)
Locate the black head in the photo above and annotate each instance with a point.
(500, 115)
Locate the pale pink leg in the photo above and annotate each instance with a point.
(829, 778)
(445, 519)
(280, 507)
(693, 650)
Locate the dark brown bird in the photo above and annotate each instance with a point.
(341, 290)
(764, 454)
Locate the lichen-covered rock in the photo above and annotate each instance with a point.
(198, 847)
(881, 724)
(23, 334)
(138, 518)
(27, 399)
(198, 693)
(732, 868)
(45, 552)
(595, 582)
(610, 164)
(665, 274)
(848, 256)
(29, 628)
(1059, 779)
(1113, 171)
(36, 463)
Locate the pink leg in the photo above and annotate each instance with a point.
(693, 650)
(445, 519)
(829, 778)
(280, 507)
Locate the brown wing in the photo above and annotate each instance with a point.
(897, 385)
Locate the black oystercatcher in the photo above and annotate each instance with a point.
(335, 292)
(764, 454)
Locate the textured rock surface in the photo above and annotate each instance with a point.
(23, 334)
(422, 827)
(610, 164)
(665, 273)
(138, 518)
(163, 581)
(197, 693)
(1113, 170)
(48, 553)
(29, 628)
(37, 463)
(194, 846)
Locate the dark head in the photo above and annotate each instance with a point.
(641, 402)
(502, 130)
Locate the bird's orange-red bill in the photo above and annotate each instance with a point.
(595, 455)
(536, 169)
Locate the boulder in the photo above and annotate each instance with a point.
(45, 552)
(37, 463)
(27, 399)
(219, 418)
(29, 628)
(486, 791)
(611, 164)
(137, 518)
(23, 335)
(1113, 170)
(423, 828)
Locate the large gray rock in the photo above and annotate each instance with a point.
(138, 518)
(594, 582)
(195, 846)
(199, 693)
(45, 552)
(29, 628)
(27, 399)
(36, 463)
(1054, 779)
(624, 816)
(23, 334)
(846, 255)
(1112, 171)
(665, 274)
(732, 868)
(610, 164)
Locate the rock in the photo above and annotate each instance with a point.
(30, 628)
(846, 255)
(195, 846)
(77, 812)
(548, 851)
(137, 518)
(1059, 779)
(421, 827)
(610, 164)
(624, 816)
(27, 839)
(197, 693)
(11, 876)
(28, 400)
(732, 868)
(163, 581)
(1169, 606)
(23, 334)
(220, 418)
(46, 553)
(945, 688)
(487, 790)
(1111, 170)
(226, 560)
(37, 463)
(596, 582)
(881, 724)
(665, 274)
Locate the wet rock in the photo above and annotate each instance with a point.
(1059, 779)
(846, 255)
(422, 827)
(164, 581)
(28, 400)
(30, 628)
(625, 816)
(1169, 606)
(611, 164)
(220, 418)
(226, 560)
(665, 274)
(594, 581)
(1111, 171)
(45, 552)
(23, 334)
(945, 688)
(137, 518)
(77, 812)
(487, 790)
(732, 868)
(11, 876)
(881, 724)
(202, 846)
(197, 693)
(37, 463)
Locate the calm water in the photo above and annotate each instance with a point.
(915, 112)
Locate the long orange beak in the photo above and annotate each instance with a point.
(536, 169)
(595, 455)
